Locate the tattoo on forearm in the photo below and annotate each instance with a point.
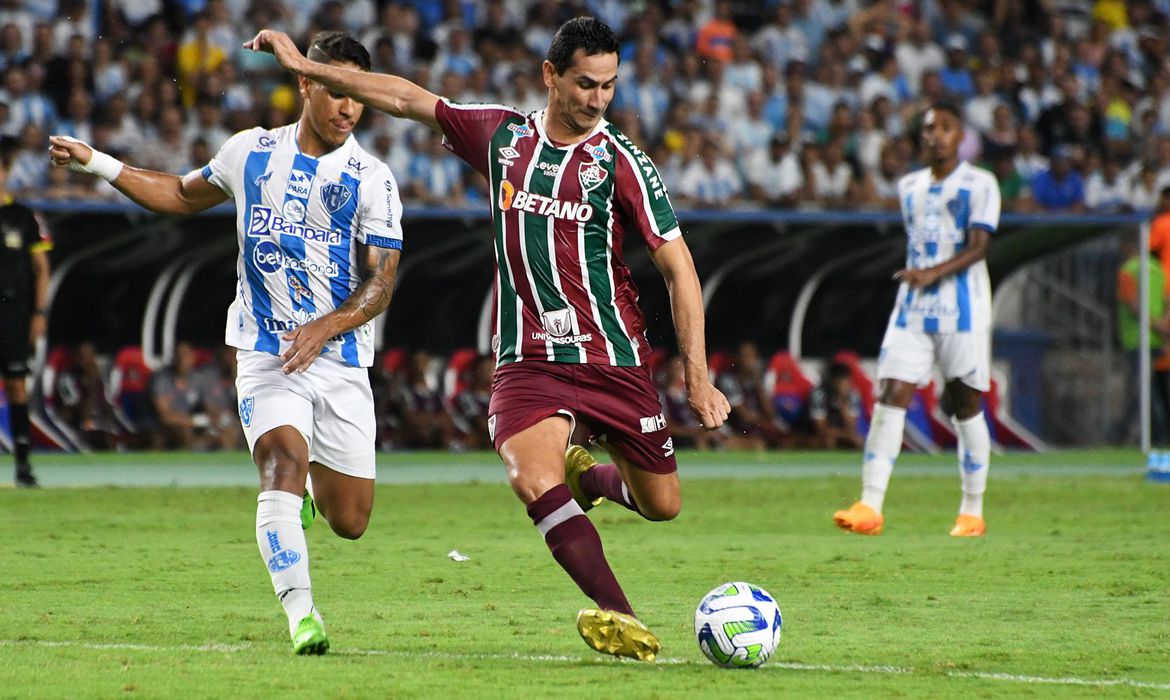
(372, 297)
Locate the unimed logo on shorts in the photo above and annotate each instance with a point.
(652, 424)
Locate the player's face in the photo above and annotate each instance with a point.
(331, 115)
(584, 91)
(941, 134)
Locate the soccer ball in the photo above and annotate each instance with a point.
(738, 625)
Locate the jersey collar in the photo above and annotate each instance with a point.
(537, 118)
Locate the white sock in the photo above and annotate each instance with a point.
(974, 460)
(882, 446)
(284, 552)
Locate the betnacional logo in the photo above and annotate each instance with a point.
(268, 257)
(512, 198)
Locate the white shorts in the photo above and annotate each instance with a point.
(329, 403)
(908, 356)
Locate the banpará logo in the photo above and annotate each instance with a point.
(300, 183)
(512, 198)
(262, 222)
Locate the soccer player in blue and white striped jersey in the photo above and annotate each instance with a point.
(942, 316)
(318, 222)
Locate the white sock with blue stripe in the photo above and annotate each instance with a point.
(974, 458)
(883, 444)
(285, 553)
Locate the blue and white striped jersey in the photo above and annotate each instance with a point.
(299, 221)
(938, 217)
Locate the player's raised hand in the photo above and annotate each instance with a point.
(708, 404)
(67, 152)
(278, 44)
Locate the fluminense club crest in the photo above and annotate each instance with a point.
(591, 175)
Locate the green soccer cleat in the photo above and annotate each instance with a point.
(578, 460)
(310, 639)
(617, 633)
(308, 512)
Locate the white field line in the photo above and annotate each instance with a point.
(555, 658)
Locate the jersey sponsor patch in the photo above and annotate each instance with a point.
(521, 130)
(294, 211)
(512, 198)
(262, 222)
(652, 424)
(558, 322)
(299, 184)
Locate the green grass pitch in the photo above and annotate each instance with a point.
(151, 585)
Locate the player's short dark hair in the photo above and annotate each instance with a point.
(948, 106)
(838, 371)
(587, 33)
(338, 46)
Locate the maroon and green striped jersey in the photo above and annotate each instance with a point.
(563, 292)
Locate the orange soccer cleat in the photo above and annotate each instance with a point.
(969, 526)
(860, 518)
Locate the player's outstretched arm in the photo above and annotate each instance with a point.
(673, 260)
(371, 298)
(975, 251)
(389, 93)
(163, 193)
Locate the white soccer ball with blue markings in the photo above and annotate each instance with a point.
(738, 625)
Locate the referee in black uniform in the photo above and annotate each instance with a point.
(24, 288)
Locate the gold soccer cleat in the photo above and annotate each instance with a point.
(578, 460)
(617, 633)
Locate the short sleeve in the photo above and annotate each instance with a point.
(468, 129)
(223, 167)
(640, 196)
(380, 224)
(986, 203)
(36, 235)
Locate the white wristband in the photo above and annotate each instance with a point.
(101, 164)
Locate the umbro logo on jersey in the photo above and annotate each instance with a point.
(668, 447)
(512, 198)
(507, 155)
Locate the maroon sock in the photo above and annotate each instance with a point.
(606, 481)
(576, 546)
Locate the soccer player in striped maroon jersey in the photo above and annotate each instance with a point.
(570, 341)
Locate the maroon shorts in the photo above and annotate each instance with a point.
(620, 404)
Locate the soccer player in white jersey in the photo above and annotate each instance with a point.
(942, 316)
(318, 223)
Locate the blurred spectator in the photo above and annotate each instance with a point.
(197, 56)
(831, 177)
(1013, 188)
(215, 383)
(1028, 160)
(774, 174)
(77, 395)
(434, 175)
(917, 53)
(166, 150)
(752, 414)
(469, 407)
(833, 409)
(425, 423)
(716, 36)
(879, 188)
(710, 180)
(177, 402)
(1060, 188)
(956, 75)
(1106, 191)
(1128, 331)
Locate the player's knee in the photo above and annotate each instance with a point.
(661, 509)
(350, 526)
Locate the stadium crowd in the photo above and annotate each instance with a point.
(426, 401)
(775, 103)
